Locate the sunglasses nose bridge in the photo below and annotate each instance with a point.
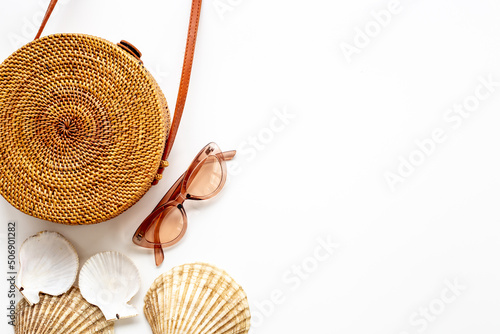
(180, 199)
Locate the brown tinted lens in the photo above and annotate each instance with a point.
(171, 224)
(206, 178)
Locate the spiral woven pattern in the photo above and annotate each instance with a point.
(83, 127)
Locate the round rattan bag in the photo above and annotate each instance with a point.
(83, 127)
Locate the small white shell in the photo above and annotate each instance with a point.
(48, 263)
(109, 280)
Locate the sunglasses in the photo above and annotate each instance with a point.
(167, 224)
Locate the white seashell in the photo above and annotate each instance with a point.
(48, 263)
(109, 280)
(197, 298)
(67, 313)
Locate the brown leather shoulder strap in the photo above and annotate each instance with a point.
(52, 4)
(184, 84)
(185, 76)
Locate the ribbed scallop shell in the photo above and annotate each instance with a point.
(48, 263)
(64, 314)
(109, 280)
(194, 299)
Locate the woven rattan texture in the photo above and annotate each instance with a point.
(83, 126)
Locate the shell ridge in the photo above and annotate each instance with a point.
(202, 297)
(44, 306)
(173, 286)
(233, 298)
(150, 300)
(66, 310)
(21, 311)
(166, 302)
(178, 277)
(63, 311)
(212, 299)
(56, 305)
(187, 288)
(240, 323)
(68, 313)
(30, 319)
(160, 295)
(187, 298)
(78, 310)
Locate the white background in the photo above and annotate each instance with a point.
(321, 175)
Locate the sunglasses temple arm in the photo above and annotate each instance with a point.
(229, 155)
(159, 255)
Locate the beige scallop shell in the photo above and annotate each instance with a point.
(64, 314)
(197, 298)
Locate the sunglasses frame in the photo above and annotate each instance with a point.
(175, 198)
